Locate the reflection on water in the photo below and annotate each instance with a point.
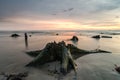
(26, 43)
(75, 42)
(14, 59)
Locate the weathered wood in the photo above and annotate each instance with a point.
(60, 52)
(43, 57)
(52, 52)
(76, 52)
(34, 53)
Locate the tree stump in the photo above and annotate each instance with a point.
(61, 52)
(55, 51)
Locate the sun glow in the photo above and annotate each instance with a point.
(60, 24)
(50, 24)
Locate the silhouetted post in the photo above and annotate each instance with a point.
(26, 40)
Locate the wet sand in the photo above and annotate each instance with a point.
(90, 67)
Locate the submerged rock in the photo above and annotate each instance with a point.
(15, 35)
(106, 36)
(114, 33)
(74, 38)
(96, 36)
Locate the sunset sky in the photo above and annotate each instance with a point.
(59, 14)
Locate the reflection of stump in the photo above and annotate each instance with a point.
(52, 52)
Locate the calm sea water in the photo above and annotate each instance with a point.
(14, 59)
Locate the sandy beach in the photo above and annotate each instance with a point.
(98, 66)
(59, 39)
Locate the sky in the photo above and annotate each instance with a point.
(59, 15)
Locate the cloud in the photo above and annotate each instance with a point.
(81, 8)
(107, 5)
(85, 12)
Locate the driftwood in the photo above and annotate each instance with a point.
(59, 52)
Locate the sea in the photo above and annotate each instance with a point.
(13, 57)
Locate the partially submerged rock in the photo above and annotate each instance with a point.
(106, 36)
(74, 38)
(15, 35)
(96, 36)
(110, 33)
(114, 33)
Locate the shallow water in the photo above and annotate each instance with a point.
(14, 59)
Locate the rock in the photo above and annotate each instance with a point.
(30, 35)
(14, 76)
(15, 35)
(117, 68)
(74, 38)
(114, 33)
(106, 36)
(102, 33)
(57, 34)
(96, 36)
